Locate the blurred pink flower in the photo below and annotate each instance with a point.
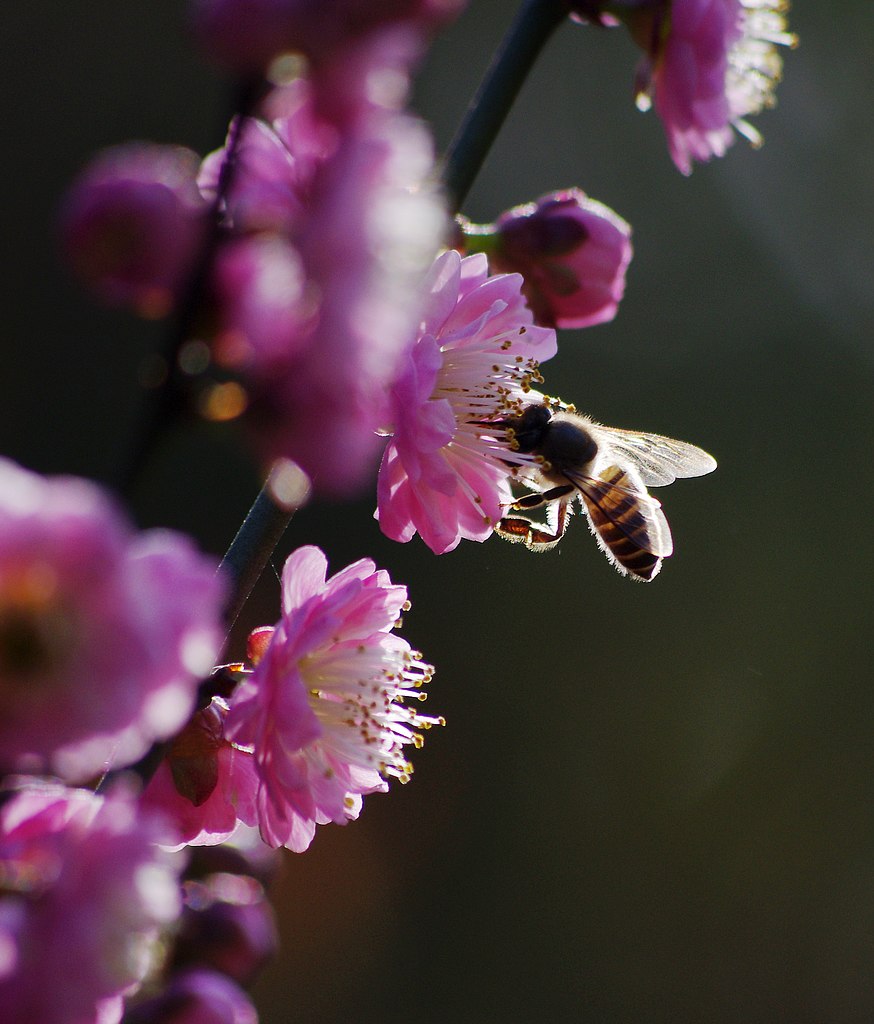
(85, 893)
(205, 785)
(196, 997)
(571, 251)
(317, 295)
(132, 224)
(227, 925)
(709, 65)
(266, 315)
(445, 473)
(276, 163)
(324, 708)
(245, 35)
(104, 634)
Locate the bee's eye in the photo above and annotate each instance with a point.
(527, 440)
(530, 428)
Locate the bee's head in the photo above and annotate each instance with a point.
(529, 428)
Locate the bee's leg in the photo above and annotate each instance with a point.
(540, 498)
(525, 531)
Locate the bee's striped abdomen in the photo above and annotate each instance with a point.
(624, 527)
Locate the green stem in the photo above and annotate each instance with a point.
(526, 37)
(285, 491)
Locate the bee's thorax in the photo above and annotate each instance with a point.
(567, 446)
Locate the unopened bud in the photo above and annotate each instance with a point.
(132, 224)
(571, 250)
(258, 642)
(196, 997)
(228, 926)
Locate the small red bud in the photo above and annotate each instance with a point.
(258, 642)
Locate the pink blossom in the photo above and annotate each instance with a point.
(276, 163)
(85, 894)
(323, 709)
(445, 473)
(104, 633)
(571, 251)
(196, 997)
(317, 296)
(132, 224)
(246, 34)
(709, 65)
(205, 785)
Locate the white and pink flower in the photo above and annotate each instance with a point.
(709, 65)
(324, 710)
(445, 474)
(104, 633)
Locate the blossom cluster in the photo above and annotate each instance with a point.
(325, 299)
(106, 637)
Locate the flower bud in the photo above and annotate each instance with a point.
(257, 643)
(571, 250)
(228, 926)
(131, 225)
(196, 997)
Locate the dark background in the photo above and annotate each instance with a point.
(651, 803)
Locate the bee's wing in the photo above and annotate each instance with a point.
(660, 460)
(628, 523)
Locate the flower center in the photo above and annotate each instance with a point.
(36, 628)
(363, 702)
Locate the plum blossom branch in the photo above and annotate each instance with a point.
(285, 491)
(164, 401)
(526, 37)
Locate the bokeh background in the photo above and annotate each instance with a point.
(651, 803)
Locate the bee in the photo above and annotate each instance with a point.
(609, 471)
